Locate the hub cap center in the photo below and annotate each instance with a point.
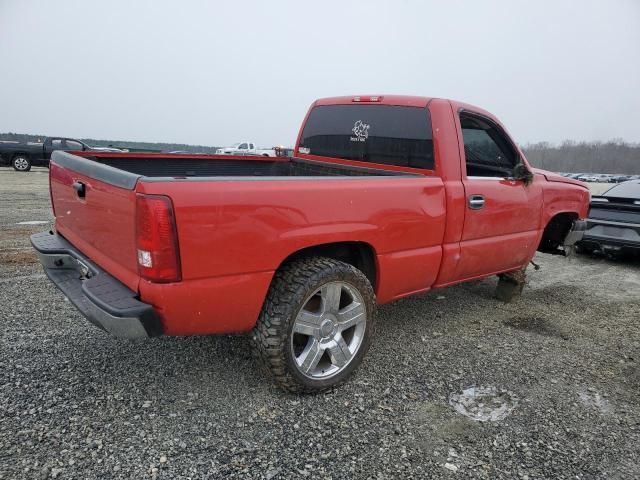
(327, 327)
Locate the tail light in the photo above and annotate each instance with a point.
(157, 239)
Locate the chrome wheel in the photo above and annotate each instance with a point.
(328, 330)
(21, 164)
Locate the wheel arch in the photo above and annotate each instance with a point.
(361, 255)
(556, 230)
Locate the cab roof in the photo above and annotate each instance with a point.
(399, 100)
(403, 100)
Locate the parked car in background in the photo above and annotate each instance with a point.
(23, 155)
(613, 223)
(604, 177)
(620, 178)
(282, 151)
(589, 177)
(595, 177)
(246, 148)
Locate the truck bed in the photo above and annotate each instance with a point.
(180, 166)
(94, 198)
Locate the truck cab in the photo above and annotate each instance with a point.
(52, 144)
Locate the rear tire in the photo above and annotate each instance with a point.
(316, 324)
(21, 163)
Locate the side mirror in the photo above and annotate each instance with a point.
(521, 172)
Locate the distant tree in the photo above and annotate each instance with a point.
(613, 156)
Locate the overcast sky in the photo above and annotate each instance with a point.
(214, 73)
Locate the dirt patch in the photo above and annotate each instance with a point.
(18, 257)
(17, 231)
(538, 325)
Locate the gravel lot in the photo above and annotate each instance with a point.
(76, 403)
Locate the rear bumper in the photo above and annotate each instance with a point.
(102, 299)
(612, 235)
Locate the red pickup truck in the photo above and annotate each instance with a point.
(385, 197)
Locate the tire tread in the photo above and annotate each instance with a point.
(289, 287)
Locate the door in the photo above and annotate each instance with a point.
(52, 144)
(242, 148)
(502, 215)
(73, 145)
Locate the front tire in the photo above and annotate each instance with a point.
(21, 163)
(316, 324)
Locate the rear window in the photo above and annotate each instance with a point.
(385, 134)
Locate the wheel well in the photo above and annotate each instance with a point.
(359, 254)
(265, 154)
(21, 154)
(555, 231)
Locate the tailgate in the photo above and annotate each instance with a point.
(94, 207)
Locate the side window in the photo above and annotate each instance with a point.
(73, 145)
(487, 152)
(56, 143)
(243, 146)
(251, 147)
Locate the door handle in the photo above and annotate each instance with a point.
(476, 202)
(79, 187)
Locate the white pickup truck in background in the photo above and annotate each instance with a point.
(246, 148)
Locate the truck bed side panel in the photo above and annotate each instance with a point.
(239, 232)
(209, 305)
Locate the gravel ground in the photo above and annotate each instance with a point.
(561, 362)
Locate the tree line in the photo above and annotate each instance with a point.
(613, 156)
